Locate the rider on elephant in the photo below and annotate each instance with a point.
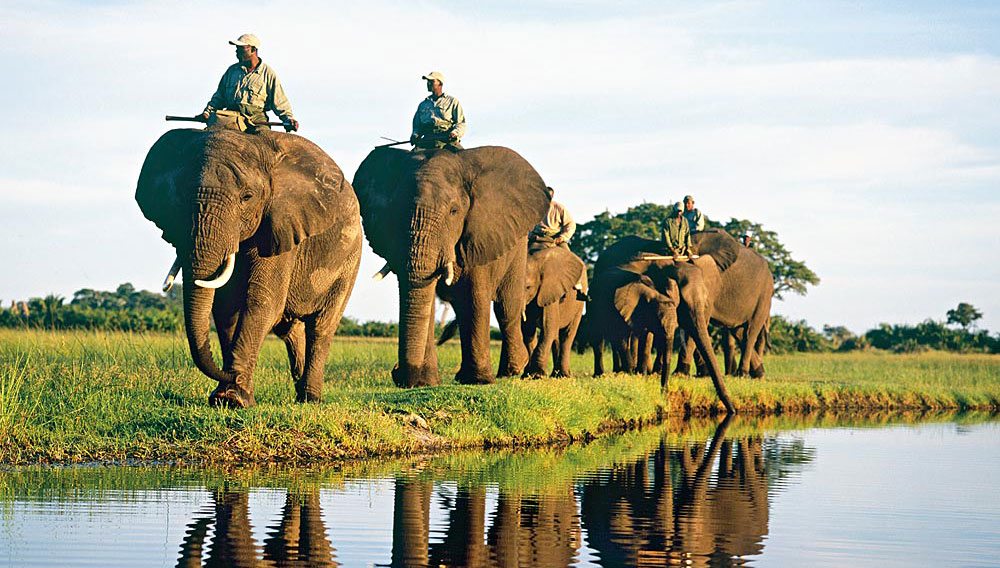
(439, 121)
(251, 88)
(676, 232)
(556, 229)
(696, 219)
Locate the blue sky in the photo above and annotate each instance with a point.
(864, 133)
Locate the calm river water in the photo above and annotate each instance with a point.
(877, 492)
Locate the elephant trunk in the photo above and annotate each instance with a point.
(416, 315)
(197, 310)
(704, 342)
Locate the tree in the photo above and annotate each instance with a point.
(646, 219)
(790, 275)
(964, 315)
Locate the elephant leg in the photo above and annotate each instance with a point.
(293, 333)
(226, 317)
(750, 346)
(319, 336)
(633, 353)
(729, 350)
(757, 362)
(543, 350)
(258, 318)
(509, 309)
(598, 348)
(685, 355)
(566, 337)
(644, 363)
(474, 329)
(616, 357)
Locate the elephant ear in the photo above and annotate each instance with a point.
(507, 198)
(719, 245)
(309, 195)
(561, 270)
(383, 182)
(158, 192)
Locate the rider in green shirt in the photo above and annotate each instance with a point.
(676, 233)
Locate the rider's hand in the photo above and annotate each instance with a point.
(453, 135)
(291, 125)
(204, 115)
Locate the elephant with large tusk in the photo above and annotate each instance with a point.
(268, 236)
(455, 224)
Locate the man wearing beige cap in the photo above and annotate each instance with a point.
(439, 121)
(251, 87)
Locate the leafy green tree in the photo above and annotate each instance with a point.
(645, 220)
(964, 315)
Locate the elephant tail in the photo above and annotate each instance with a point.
(448, 331)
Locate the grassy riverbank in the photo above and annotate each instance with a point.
(72, 397)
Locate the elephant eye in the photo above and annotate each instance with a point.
(246, 197)
(454, 209)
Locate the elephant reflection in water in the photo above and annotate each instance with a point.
(525, 530)
(299, 539)
(664, 508)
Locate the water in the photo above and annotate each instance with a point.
(732, 495)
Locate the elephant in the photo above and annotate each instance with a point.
(740, 300)
(553, 307)
(628, 307)
(700, 286)
(455, 223)
(267, 231)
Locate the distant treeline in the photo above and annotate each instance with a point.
(128, 309)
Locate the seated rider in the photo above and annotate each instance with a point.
(557, 227)
(747, 238)
(555, 230)
(676, 232)
(696, 220)
(439, 120)
(251, 88)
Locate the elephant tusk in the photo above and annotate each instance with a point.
(449, 271)
(385, 270)
(223, 278)
(658, 257)
(168, 282)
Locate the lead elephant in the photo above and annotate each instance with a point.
(268, 234)
(456, 223)
(553, 308)
(738, 298)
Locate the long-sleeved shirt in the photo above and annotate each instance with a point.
(696, 220)
(557, 224)
(252, 94)
(677, 235)
(441, 115)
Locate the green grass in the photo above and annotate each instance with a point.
(79, 397)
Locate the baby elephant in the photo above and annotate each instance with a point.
(555, 279)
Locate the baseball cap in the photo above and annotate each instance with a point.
(246, 39)
(688, 198)
(434, 76)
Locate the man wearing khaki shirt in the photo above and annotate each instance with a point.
(557, 226)
(439, 120)
(251, 87)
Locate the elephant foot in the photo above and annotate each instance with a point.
(682, 369)
(416, 377)
(560, 373)
(471, 377)
(303, 394)
(231, 395)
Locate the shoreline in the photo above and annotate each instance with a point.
(85, 398)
